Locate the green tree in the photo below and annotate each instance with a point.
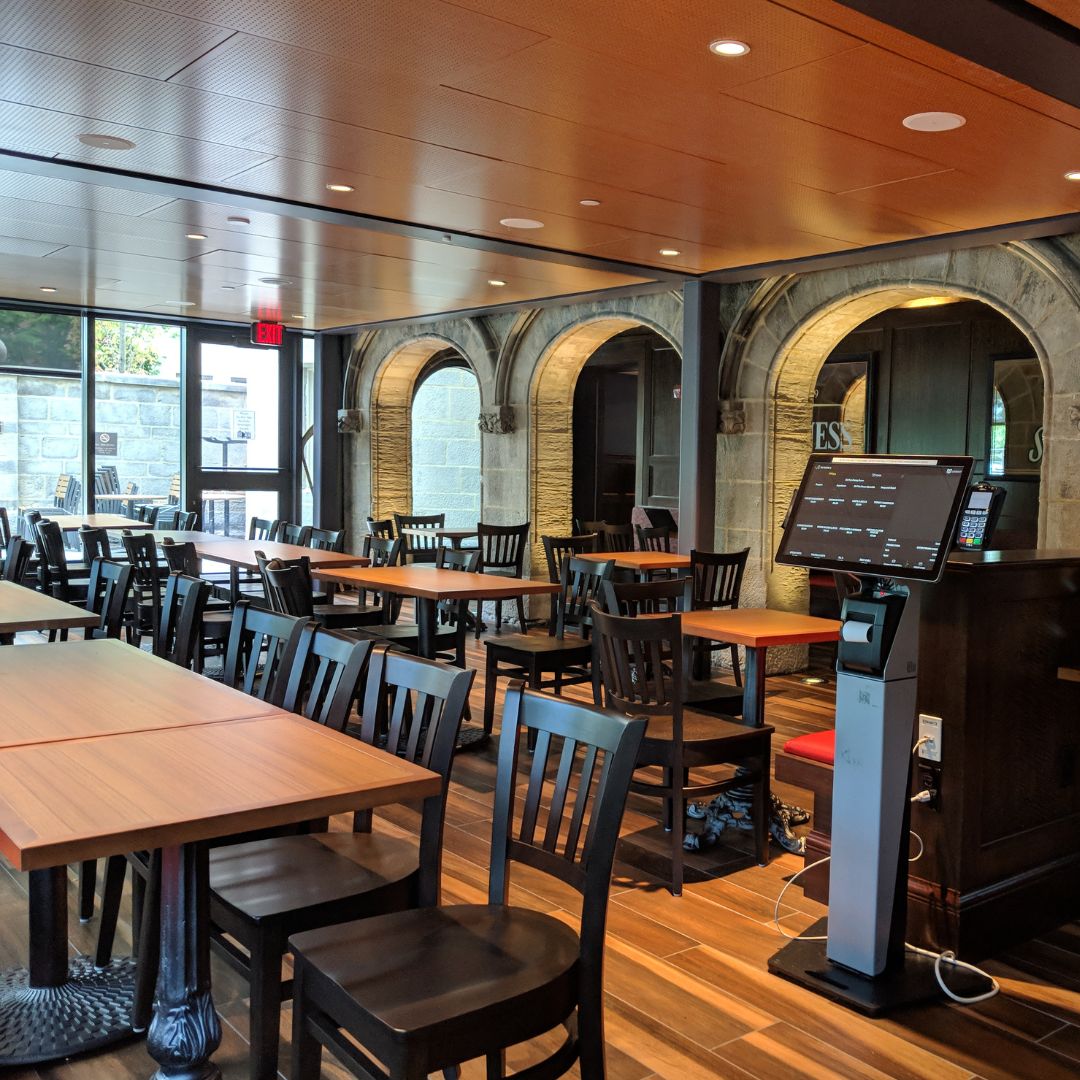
(134, 348)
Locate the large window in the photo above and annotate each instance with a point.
(1016, 418)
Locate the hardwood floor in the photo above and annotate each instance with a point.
(688, 994)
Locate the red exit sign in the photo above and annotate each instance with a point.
(267, 333)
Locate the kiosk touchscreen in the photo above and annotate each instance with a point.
(890, 521)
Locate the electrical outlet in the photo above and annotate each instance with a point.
(930, 729)
(929, 779)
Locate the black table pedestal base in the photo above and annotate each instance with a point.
(90, 1010)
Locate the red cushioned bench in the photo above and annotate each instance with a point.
(807, 762)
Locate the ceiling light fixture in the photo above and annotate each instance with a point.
(196, 236)
(238, 222)
(521, 223)
(340, 187)
(1074, 175)
(46, 288)
(934, 121)
(299, 316)
(275, 281)
(105, 142)
(497, 282)
(930, 301)
(728, 47)
(230, 288)
(180, 303)
(670, 253)
(590, 202)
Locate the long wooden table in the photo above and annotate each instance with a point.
(26, 609)
(192, 760)
(641, 562)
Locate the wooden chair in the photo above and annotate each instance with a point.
(583, 528)
(5, 528)
(615, 537)
(502, 552)
(95, 544)
(184, 559)
(567, 656)
(381, 527)
(288, 590)
(16, 567)
(261, 651)
(142, 553)
(56, 577)
(419, 549)
(382, 551)
(107, 595)
(180, 624)
(263, 891)
(432, 987)
(717, 578)
(638, 681)
(655, 538)
(557, 549)
(297, 535)
(165, 517)
(326, 539)
(263, 529)
(187, 520)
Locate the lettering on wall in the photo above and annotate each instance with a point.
(1036, 453)
(831, 435)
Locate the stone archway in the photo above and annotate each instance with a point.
(786, 344)
(551, 420)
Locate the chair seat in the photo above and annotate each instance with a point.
(543, 643)
(290, 874)
(417, 974)
(816, 746)
(340, 616)
(700, 734)
(711, 696)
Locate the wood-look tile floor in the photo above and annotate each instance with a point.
(688, 994)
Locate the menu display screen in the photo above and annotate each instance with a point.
(885, 516)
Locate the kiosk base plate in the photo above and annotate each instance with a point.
(805, 963)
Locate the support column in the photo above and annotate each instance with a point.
(328, 509)
(697, 415)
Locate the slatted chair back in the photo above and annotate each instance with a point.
(17, 559)
(52, 560)
(73, 496)
(107, 595)
(174, 488)
(182, 558)
(663, 597)
(382, 527)
(165, 517)
(635, 667)
(187, 519)
(655, 538)
(616, 537)
(63, 481)
(262, 648)
(582, 581)
(717, 577)
(327, 539)
(571, 808)
(466, 559)
(111, 476)
(293, 534)
(413, 707)
(5, 527)
(326, 676)
(103, 486)
(502, 547)
(559, 548)
(144, 512)
(30, 521)
(131, 488)
(419, 548)
(95, 544)
(181, 619)
(142, 554)
(383, 551)
(583, 528)
(263, 529)
(288, 586)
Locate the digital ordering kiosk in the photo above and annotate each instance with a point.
(891, 522)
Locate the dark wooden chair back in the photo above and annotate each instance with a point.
(413, 707)
(187, 519)
(466, 559)
(103, 486)
(559, 548)
(502, 547)
(30, 521)
(293, 534)
(262, 648)
(382, 527)
(182, 558)
(165, 517)
(263, 529)
(5, 527)
(383, 551)
(52, 560)
(107, 595)
(419, 548)
(95, 544)
(327, 539)
(717, 577)
(616, 537)
(655, 538)
(582, 527)
(142, 554)
(663, 597)
(326, 676)
(144, 512)
(571, 811)
(17, 559)
(180, 623)
(582, 580)
(288, 586)
(635, 664)
(73, 496)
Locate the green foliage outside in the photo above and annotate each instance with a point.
(134, 348)
(36, 339)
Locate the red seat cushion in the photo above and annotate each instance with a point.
(817, 746)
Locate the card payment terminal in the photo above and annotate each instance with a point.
(979, 516)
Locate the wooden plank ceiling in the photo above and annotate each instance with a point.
(458, 114)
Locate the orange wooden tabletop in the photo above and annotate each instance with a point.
(74, 522)
(640, 560)
(26, 609)
(86, 798)
(434, 584)
(76, 689)
(237, 552)
(759, 627)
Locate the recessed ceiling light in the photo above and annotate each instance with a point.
(670, 252)
(590, 202)
(275, 281)
(230, 288)
(299, 316)
(497, 282)
(1073, 174)
(180, 303)
(934, 121)
(340, 187)
(46, 288)
(196, 236)
(521, 223)
(105, 142)
(238, 222)
(728, 47)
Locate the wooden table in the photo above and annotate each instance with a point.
(641, 562)
(26, 609)
(74, 522)
(455, 536)
(430, 586)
